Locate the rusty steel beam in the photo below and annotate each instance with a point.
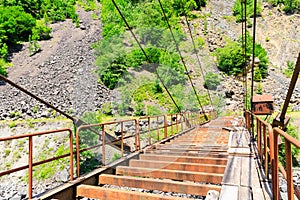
(219, 169)
(157, 184)
(281, 120)
(170, 174)
(113, 194)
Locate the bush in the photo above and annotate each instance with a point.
(211, 81)
(231, 58)
(237, 10)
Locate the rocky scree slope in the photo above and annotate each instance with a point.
(63, 73)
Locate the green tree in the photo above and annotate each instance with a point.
(17, 23)
(238, 11)
(211, 81)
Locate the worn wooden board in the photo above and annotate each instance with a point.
(232, 173)
(245, 193)
(239, 151)
(258, 193)
(229, 192)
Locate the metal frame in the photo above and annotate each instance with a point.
(186, 120)
(267, 145)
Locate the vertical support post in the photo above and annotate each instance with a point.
(71, 156)
(103, 145)
(258, 131)
(176, 123)
(149, 134)
(275, 168)
(182, 119)
(137, 135)
(122, 139)
(171, 120)
(165, 127)
(289, 173)
(157, 127)
(265, 151)
(30, 161)
(77, 152)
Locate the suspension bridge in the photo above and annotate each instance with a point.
(188, 155)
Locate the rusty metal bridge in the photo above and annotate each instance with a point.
(183, 156)
(180, 156)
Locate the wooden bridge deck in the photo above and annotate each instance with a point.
(215, 161)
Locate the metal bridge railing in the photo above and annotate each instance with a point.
(267, 145)
(171, 124)
(32, 164)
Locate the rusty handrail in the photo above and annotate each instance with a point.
(136, 122)
(270, 135)
(188, 118)
(30, 158)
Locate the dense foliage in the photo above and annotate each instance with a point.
(25, 20)
(238, 10)
(211, 81)
(230, 58)
(290, 6)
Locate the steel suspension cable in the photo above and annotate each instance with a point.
(147, 57)
(244, 42)
(244, 71)
(195, 50)
(253, 51)
(182, 60)
(245, 51)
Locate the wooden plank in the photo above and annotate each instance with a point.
(157, 184)
(188, 159)
(257, 193)
(229, 192)
(245, 193)
(184, 153)
(232, 173)
(239, 151)
(97, 192)
(187, 148)
(170, 174)
(246, 171)
(219, 169)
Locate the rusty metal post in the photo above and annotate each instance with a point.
(30, 168)
(71, 156)
(149, 132)
(137, 135)
(122, 140)
(103, 145)
(271, 142)
(171, 120)
(77, 152)
(265, 151)
(258, 136)
(289, 173)
(165, 127)
(182, 119)
(275, 168)
(291, 89)
(176, 123)
(157, 129)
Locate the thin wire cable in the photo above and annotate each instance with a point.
(182, 60)
(147, 58)
(245, 51)
(253, 51)
(243, 42)
(198, 59)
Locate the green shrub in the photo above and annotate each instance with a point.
(211, 81)
(230, 57)
(237, 10)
